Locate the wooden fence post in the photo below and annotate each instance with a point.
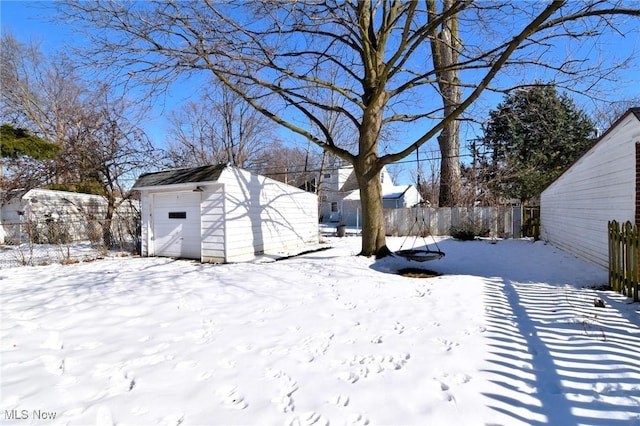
(624, 253)
(614, 252)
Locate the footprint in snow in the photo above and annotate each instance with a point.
(230, 398)
(357, 420)
(447, 344)
(349, 377)
(307, 419)
(174, 419)
(340, 400)
(421, 292)
(53, 365)
(205, 375)
(227, 363)
(475, 330)
(287, 386)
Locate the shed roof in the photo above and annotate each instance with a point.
(391, 193)
(177, 176)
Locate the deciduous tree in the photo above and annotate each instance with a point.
(219, 127)
(101, 144)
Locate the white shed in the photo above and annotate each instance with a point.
(600, 186)
(223, 214)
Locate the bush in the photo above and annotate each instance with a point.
(463, 232)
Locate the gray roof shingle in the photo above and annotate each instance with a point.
(178, 176)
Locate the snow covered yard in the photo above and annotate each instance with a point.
(508, 335)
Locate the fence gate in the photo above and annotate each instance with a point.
(531, 221)
(624, 247)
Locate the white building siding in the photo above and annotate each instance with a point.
(598, 188)
(78, 215)
(213, 224)
(145, 231)
(240, 214)
(266, 216)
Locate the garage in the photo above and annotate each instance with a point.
(176, 224)
(221, 214)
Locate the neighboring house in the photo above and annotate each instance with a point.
(602, 185)
(221, 213)
(340, 197)
(53, 216)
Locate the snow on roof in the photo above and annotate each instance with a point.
(390, 193)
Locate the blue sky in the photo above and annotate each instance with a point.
(27, 20)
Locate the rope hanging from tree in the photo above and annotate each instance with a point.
(421, 254)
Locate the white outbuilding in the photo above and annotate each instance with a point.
(221, 213)
(602, 185)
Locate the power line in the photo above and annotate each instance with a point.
(335, 168)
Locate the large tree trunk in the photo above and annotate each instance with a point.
(373, 232)
(367, 170)
(445, 48)
(450, 175)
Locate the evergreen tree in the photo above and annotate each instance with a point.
(18, 142)
(530, 139)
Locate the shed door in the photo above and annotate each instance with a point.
(176, 224)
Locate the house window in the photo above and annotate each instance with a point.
(177, 215)
(381, 177)
(334, 206)
(327, 175)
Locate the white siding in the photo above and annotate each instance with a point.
(265, 216)
(74, 211)
(145, 231)
(213, 237)
(598, 188)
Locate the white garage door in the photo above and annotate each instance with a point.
(176, 224)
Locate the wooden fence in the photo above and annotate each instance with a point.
(503, 222)
(624, 247)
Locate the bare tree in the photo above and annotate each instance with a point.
(289, 164)
(41, 95)
(387, 52)
(113, 149)
(102, 146)
(220, 128)
(608, 113)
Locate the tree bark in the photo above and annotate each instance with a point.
(445, 48)
(373, 234)
(450, 175)
(367, 169)
(106, 224)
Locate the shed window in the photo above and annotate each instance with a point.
(177, 215)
